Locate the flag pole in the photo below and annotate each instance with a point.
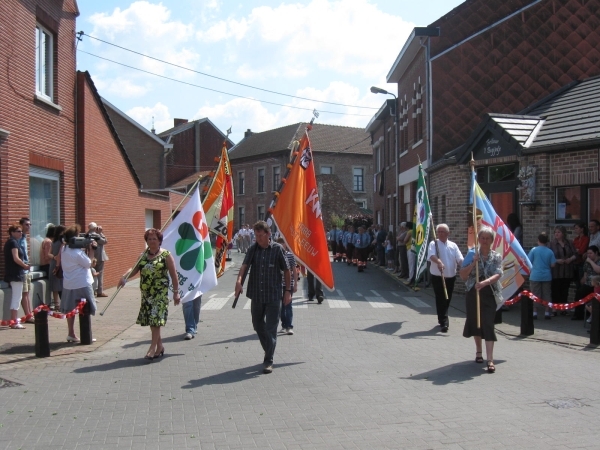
(437, 250)
(144, 252)
(474, 212)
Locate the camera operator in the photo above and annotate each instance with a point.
(76, 260)
(95, 233)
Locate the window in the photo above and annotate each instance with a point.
(44, 207)
(418, 111)
(568, 203)
(152, 218)
(241, 182)
(44, 70)
(593, 203)
(260, 212)
(276, 177)
(261, 180)
(361, 203)
(506, 172)
(358, 179)
(241, 216)
(326, 170)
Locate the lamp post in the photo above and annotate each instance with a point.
(394, 113)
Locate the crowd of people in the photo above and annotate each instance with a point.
(74, 271)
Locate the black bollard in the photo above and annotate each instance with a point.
(498, 317)
(526, 316)
(85, 325)
(42, 338)
(595, 331)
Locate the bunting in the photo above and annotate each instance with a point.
(297, 214)
(218, 205)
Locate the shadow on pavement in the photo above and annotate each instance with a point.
(176, 338)
(234, 376)
(453, 373)
(435, 331)
(250, 337)
(124, 364)
(387, 328)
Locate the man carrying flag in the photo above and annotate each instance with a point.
(188, 241)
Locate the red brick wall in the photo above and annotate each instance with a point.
(39, 134)
(109, 193)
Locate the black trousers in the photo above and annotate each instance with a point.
(314, 286)
(265, 319)
(583, 291)
(441, 304)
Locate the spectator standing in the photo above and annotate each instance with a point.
(581, 243)
(56, 282)
(540, 278)
(266, 262)
(591, 268)
(46, 250)
(95, 232)
(402, 255)
(380, 239)
(411, 259)
(594, 229)
(25, 300)
(15, 271)
(445, 258)
(562, 273)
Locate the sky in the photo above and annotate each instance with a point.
(257, 64)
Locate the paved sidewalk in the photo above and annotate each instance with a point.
(559, 330)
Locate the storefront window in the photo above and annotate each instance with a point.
(44, 207)
(568, 203)
(505, 172)
(594, 203)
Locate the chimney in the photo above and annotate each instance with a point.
(248, 133)
(177, 122)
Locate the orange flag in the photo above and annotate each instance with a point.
(218, 205)
(297, 214)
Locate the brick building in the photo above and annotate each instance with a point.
(110, 187)
(259, 161)
(37, 120)
(196, 144)
(482, 60)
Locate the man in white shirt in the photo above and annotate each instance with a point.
(445, 257)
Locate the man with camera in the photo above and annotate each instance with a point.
(95, 233)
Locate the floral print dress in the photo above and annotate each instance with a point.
(154, 284)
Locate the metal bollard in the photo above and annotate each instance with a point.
(42, 338)
(527, 317)
(595, 331)
(85, 325)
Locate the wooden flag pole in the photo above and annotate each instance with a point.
(474, 211)
(144, 252)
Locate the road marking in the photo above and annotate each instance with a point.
(337, 303)
(358, 294)
(214, 295)
(416, 302)
(230, 295)
(247, 305)
(379, 302)
(215, 303)
(299, 303)
(395, 294)
(375, 293)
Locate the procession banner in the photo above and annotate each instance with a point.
(188, 241)
(515, 262)
(218, 204)
(297, 214)
(421, 225)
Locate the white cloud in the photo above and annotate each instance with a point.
(349, 36)
(125, 88)
(144, 114)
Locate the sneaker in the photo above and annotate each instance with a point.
(17, 326)
(290, 331)
(589, 320)
(268, 369)
(188, 336)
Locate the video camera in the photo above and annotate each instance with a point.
(84, 240)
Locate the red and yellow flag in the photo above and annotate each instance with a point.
(297, 214)
(218, 207)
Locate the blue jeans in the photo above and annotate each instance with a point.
(191, 315)
(265, 319)
(287, 314)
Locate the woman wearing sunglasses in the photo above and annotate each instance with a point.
(15, 271)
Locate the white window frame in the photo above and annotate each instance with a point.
(45, 174)
(323, 166)
(363, 179)
(44, 74)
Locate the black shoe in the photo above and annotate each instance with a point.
(310, 299)
(444, 329)
(268, 369)
(320, 299)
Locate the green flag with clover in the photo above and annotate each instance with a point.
(188, 241)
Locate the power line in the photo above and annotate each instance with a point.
(219, 78)
(217, 91)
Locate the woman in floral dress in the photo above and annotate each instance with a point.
(155, 266)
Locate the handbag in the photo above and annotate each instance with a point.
(58, 272)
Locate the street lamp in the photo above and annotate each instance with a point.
(393, 112)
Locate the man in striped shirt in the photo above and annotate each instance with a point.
(268, 262)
